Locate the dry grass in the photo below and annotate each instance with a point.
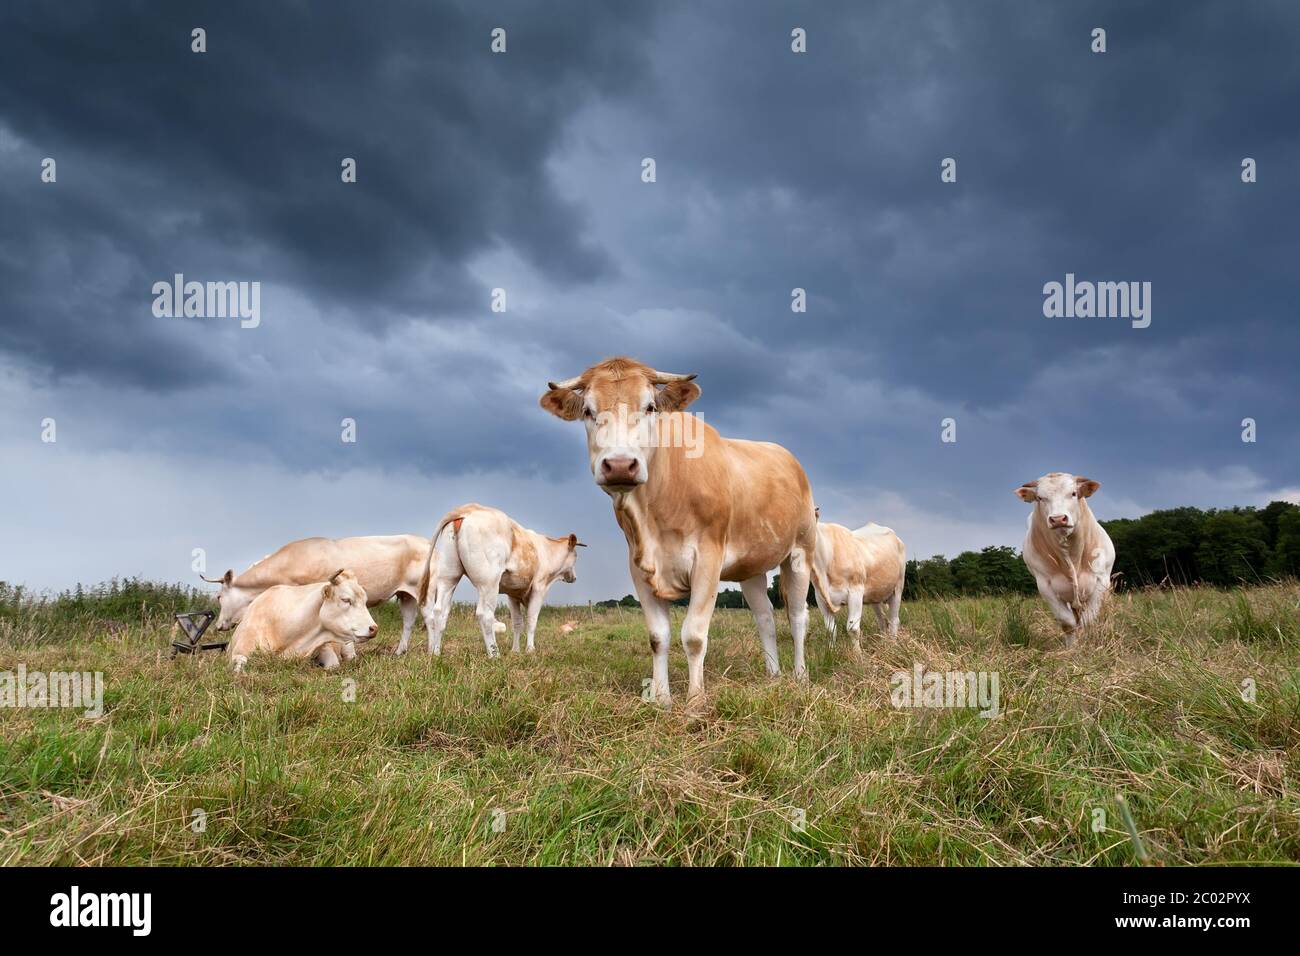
(287, 771)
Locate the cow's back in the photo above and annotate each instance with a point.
(384, 564)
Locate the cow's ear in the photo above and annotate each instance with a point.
(573, 541)
(563, 403)
(1027, 493)
(327, 592)
(1086, 486)
(675, 396)
(229, 576)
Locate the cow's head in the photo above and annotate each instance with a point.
(232, 600)
(343, 611)
(618, 401)
(568, 567)
(1057, 496)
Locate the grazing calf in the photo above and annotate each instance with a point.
(859, 567)
(497, 555)
(696, 509)
(385, 565)
(1069, 553)
(321, 621)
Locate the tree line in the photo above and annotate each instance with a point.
(1174, 546)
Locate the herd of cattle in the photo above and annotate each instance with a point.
(720, 510)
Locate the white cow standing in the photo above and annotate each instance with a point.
(1067, 550)
(498, 555)
(863, 566)
(320, 621)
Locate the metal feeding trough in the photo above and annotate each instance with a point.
(194, 623)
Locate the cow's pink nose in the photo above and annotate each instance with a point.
(374, 629)
(1058, 520)
(619, 471)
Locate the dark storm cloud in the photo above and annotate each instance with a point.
(226, 164)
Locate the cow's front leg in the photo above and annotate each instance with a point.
(1092, 607)
(535, 601)
(695, 628)
(794, 579)
(1062, 611)
(760, 605)
(855, 619)
(516, 622)
(410, 609)
(349, 651)
(326, 657)
(660, 627)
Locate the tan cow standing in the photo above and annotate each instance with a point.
(864, 566)
(696, 509)
(385, 565)
(321, 621)
(1067, 550)
(498, 555)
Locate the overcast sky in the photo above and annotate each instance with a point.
(523, 171)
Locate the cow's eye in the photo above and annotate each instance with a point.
(650, 409)
(588, 414)
(347, 600)
(1074, 494)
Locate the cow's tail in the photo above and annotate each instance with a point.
(902, 573)
(819, 582)
(425, 578)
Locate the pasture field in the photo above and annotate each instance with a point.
(289, 772)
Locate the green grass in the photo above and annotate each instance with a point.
(289, 772)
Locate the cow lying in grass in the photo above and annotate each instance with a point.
(320, 621)
(1068, 552)
(497, 555)
(385, 565)
(858, 567)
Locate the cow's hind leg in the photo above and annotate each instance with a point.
(486, 612)
(437, 609)
(755, 591)
(895, 601)
(794, 584)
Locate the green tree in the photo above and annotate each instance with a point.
(1004, 572)
(1285, 559)
(931, 578)
(968, 574)
(1233, 549)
